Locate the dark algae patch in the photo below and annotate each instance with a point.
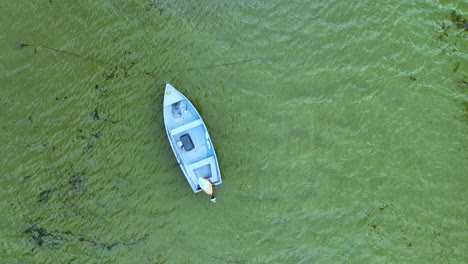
(376, 227)
(90, 140)
(443, 34)
(44, 196)
(407, 242)
(95, 115)
(41, 237)
(63, 98)
(71, 184)
(457, 23)
(111, 73)
(155, 5)
(21, 45)
(76, 180)
(102, 92)
(53, 239)
(458, 20)
(453, 35)
(457, 65)
(97, 135)
(109, 246)
(118, 70)
(384, 206)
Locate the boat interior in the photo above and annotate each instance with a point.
(192, 143)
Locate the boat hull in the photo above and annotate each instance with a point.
(189, 139)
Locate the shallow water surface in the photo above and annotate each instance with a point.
(340, 128)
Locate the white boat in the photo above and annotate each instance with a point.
(189, 140)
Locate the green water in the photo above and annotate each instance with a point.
(340, 128)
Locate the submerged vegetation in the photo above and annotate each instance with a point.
(458, 20)
(54, 239)
(454, 34)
